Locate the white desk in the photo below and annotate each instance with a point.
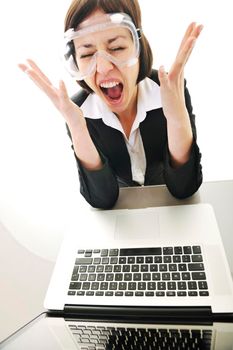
(25, 276)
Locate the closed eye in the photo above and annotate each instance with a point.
(86, 55)
(117, 49)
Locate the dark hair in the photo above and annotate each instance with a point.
(81, 9)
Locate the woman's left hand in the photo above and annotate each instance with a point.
(172, 83)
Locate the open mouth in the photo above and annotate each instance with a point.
(113, 90)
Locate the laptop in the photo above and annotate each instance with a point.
(49, 332)
(164, 260)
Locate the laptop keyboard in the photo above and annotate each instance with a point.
(92, 337)
(140, 272)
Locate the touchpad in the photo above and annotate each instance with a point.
(136, 225)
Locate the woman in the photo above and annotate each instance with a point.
(130, 125)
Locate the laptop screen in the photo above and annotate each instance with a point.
(70, 334)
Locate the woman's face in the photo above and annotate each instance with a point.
(114, 84)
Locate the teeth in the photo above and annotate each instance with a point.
(109, 85)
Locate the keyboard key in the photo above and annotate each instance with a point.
(198, 276)
(170, 294)
(83, 261)
(113, 285)
(99, 293)
(80, 293)
(156, 276)
(128, 276)
(166, 276)
(104, 285)
(109, 294)
(176, 258)
(187, 250)
(157, 259)
(178, 250)
(104, 252)
(204, 293)
(181, 294)
(140, 260)
(182, 285)
(161, 285)
(118, 277)
(197, 258)
(149, 259)
(132, 285)
(192, 285)
(135, 268)
(131, 260)
(186, 258)
(160, 294)
(172, 267)
(140, 251)
(117, 268)
(151, 285)
(196, 249)
(119, 294)
(202, 285)
(129, 294)
(113, 260)
(182, 267)
(162, 267)
(89, 293)
(126, 268)
(153, 267)
(122, 260)
(71, 292)
(175, 276)
(171, 285)
(113, 252)
(137, 276)
(186, 276)
(139, 294)
(167, 259)
(195, 267)
(146, 276)
(144, 268)
(192, 293)
(168, 251)
(141, 285)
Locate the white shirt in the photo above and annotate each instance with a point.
(148, 99)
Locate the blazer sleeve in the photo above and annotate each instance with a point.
(99, 187)
(184, 181)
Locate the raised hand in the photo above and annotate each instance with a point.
(172, 83)
(58, 95)
(82, 142)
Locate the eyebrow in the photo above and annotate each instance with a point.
(109, 41)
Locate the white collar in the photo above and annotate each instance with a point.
(148, 99)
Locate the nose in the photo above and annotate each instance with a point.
(103, 65)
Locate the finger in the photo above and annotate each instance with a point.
(188, 32)
(23, 67)
(181, 60)
(193, 31)
(47, 88)
(63, 91)
(163, 77)
(38, 70)
(185, 52)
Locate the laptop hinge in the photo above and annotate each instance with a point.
(171, 314)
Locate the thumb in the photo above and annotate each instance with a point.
(163, 78)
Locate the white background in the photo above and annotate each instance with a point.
(39, 189)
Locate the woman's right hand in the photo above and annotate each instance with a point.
(59, 96)
(83, 144)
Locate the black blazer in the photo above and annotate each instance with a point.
(101, 188)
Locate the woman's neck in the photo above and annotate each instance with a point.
(128, 116)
